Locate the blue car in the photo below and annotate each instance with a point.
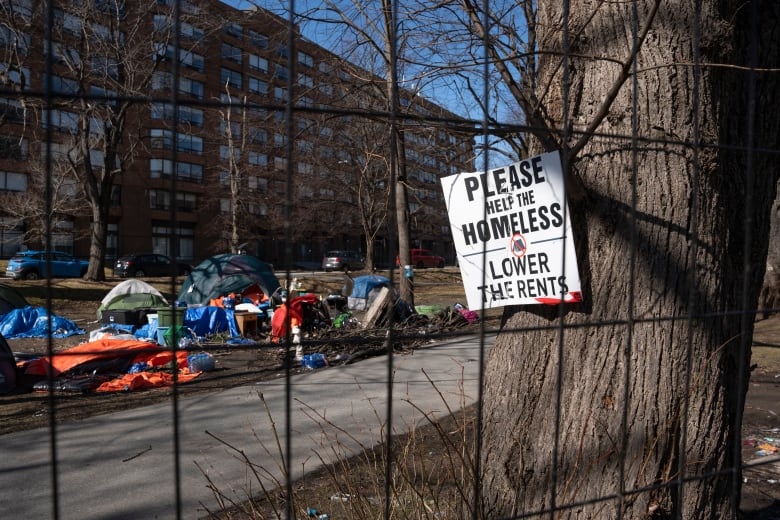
(31, 265)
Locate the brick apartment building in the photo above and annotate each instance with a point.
(204, 164)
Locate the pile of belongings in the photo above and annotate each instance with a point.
(210, 295)
(113, 365)
(306, 313)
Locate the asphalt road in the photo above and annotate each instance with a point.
(123, 465)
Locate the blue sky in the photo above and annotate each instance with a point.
(439, 92)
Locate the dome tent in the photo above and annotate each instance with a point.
(130, 295)
(224, 274)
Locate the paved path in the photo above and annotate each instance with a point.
(122, 465)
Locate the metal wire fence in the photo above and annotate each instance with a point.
(98, 469)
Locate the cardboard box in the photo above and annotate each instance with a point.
(247, 323)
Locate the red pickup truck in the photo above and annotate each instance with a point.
(424, 258)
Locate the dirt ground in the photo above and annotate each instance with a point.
(236, 365)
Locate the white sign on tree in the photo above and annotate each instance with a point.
(513, 235)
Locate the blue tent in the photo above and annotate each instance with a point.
(362, 289)
(365, 284)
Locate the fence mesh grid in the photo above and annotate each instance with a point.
(485, 130)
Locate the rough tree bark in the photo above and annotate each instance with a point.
(614, 404)
(770, 292)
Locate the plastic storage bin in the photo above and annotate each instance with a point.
(170, 317)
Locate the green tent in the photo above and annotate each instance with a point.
(224, 274)
(130, 295)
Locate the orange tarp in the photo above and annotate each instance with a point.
(107, 349)
(104, 348)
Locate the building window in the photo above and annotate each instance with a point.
(256, 209)
(251, 182)
(224, 153)
(167, 111)
(105, 66)
(103, 96)
(257, 159)
(258, 63)
(22, 8)
(13, 181)
(233, 29)
(187, 58)
(162, 232)
(62, 53)
(281, 71)
(306, 192)
(186, 202)
(67, 22)
(258, 86)
(305, 168)
(305, 80)
(280, 140)
(112, 241)
(60, 120)
(161, 200)
(305, 60)
(17, 77)
(13, 39)
(164, 23)
(231, 78)
(258, 40)
(229, 52)
(257, 135)
(116, 195)
(234, 129)
(11, 111)
(163, 139)
(192, 32)
(192, 87)
(185, 171)
(60, 85)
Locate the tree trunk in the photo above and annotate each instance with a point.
(770, 292)
(635, 411)
(97, 244)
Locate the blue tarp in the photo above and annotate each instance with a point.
(32, 322)
(201, 320)
(364, 285)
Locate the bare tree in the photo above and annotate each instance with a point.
(637, 414)
(360, 169)
(234, 122)
(102, 63)
(26, 209)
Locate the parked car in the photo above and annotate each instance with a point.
(342, 261)
(138, 265)
(32, 265)
(424, 258)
